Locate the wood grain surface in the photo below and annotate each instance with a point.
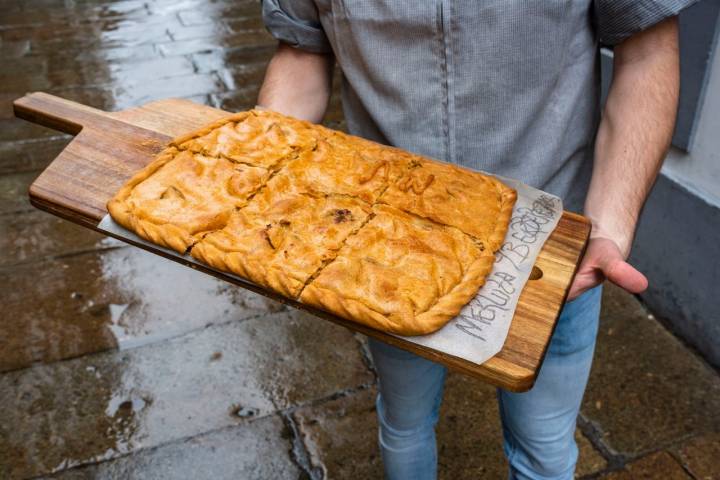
(109, 147)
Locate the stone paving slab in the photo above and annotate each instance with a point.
(221, 11)
(646, 389)
(106, 57)
(64, 30)
(239, 100)
(126, 74)
(590, 461)
(32, 155)
(13, 192)
(341, 436)
(658, 466)
(97, 96)
(98, 407)
(240, 77)
(18, 76)
(126, 297)
(14, 129)
(12, 49)
(34, 234)
(701, 456)
(240, 58)
(245, 39)
(6, 99)
(243, 24)
(144, 91)
(257, 450)
(116, 54)
(469, 432)
(180, 32)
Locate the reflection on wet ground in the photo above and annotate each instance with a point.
(102, 406)
(112, 297)
(115, 363)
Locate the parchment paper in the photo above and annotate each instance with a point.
(479, 332)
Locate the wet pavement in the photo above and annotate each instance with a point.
(118, 364)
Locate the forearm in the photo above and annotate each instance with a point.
(297, 83)
(635, 131)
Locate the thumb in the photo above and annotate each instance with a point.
(622, 274)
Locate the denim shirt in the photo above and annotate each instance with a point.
(505, 86)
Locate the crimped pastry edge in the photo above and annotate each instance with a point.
(166, 235)
(445, 309)
(255, 271)
(240, 116)
(234, 117)
(508, 196)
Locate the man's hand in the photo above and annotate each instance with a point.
(603, 260)
(632, 141)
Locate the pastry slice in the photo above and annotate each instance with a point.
(258, 137)
(182, 195)
(477, 204)
(345, 165)
(282, 238)
(401, 274)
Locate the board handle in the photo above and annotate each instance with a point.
(56, 112)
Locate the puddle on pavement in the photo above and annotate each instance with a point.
(29, 235)
(101, 406)
(97, 407)
(121, 298)
(168, 299)
(116, 312)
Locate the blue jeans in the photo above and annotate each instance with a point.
(538, 426)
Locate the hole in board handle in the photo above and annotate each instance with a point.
(536, 273)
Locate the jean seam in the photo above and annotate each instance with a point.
(507, 435)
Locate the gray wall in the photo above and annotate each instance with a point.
(678, 239)
(678, 247)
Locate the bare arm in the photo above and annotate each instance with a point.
(633, 138)
(297, 83)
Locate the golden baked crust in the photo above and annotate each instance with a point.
(401, 274)
(181, 195)
(259, 138)
(477, 204)
(367, 232)
(281, 239)
(340, 164)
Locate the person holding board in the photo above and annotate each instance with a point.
(511, 88)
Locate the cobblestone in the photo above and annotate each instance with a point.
(701, 456)
(661, 466)
(31, 155)
(98, 407)
(230, 454)
(35, 234)
(646, 389)
(106, 299)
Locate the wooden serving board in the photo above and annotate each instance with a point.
(109, 148)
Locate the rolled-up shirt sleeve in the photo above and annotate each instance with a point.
(616, 20)
(296, 23)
